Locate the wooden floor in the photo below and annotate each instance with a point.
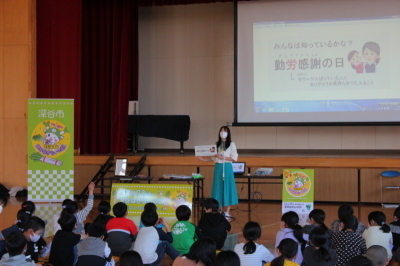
(268, 214)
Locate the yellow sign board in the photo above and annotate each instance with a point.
(167, 197)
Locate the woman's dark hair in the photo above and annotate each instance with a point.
(251, 232)
(227, 258)
(318, 238)
(129, 258)
(104, 207)
(29, 207)
(349, 222)
(228, 138)
(70, 207)
(380, 219)
(345, 209)
(288, 249)
(359, 260)
(318, 216)
(291, 220)
(22, 218)
(202, 251)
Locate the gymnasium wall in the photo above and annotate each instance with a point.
(187, 67)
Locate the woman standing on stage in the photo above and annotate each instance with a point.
(223, 187)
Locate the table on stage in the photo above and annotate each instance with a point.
(257, 179)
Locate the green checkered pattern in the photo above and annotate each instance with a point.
(50, 185)
(46, 212)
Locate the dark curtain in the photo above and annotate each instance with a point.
(109, 73)
(58, 26)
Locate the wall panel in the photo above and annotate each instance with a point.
(15, 152)
(17, 21)
(16, 80)
(1, 80)
(2, 151)
(1, 22)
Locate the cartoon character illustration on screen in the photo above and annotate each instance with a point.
(371, 53)
(356, 62)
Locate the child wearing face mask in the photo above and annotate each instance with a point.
(62, 248)
(33, 229)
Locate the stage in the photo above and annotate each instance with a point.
(340, 175)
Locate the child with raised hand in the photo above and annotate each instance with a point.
(214, 224)
(287, 251)
(379, 232)
(80, 215)
(62, 248)
(346, 209)
(148, 243)
(251, 253)
(94, 250)
(346, 243)
(15, 245)
(318, 253)
(290, 228)
(120, 230)
(184, 233)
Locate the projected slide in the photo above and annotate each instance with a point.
(341, 65)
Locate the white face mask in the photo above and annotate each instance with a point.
(1, 209)
(34, 238)
(223, 135)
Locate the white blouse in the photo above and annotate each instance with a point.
(230, 152)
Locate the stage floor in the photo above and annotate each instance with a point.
(268, 214)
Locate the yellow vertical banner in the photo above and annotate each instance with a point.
(167, 197)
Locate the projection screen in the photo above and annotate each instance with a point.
(317, 62)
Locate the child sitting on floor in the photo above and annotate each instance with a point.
(184, 233)
(94, 250)
(120, 230)
(214, 224)
(286, 250)
(148, 243)
(251, 253)
(62, 249)
(15, 245)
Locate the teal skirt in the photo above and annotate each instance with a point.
(224, 187)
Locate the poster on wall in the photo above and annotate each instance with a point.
(298, 191)
(50, 149)
(167, 197)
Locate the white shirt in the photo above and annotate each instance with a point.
(146, 244)
(230, 152)
(261, 254)
(375, 236)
